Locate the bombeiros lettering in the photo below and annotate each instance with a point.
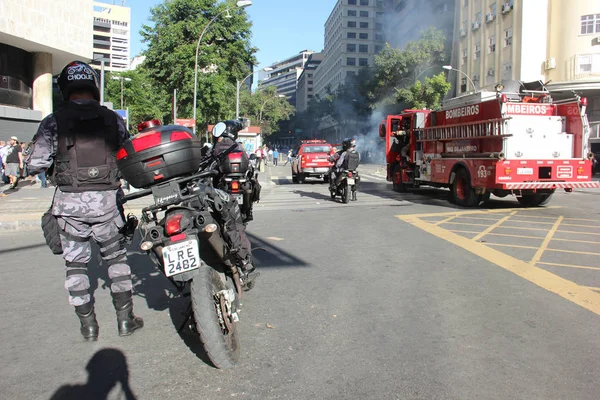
(463, 112)
(527, 109)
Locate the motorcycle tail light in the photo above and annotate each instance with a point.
(349, 174)
(122, 153)
(146, 140)
(173, 224)
(235, 186)
(180, 135)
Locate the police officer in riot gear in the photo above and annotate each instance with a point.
(78, 144)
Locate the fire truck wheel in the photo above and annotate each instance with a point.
(535, 200)
(301, 178)
(462, 190)
(397, 183)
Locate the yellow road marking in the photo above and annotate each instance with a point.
(511, 245)
(445, 220)
(494, 226)
(535, 216)
(580, 233)
(576, 241)
(531, 222)
(452, 230)
(582, 219)
(589, 253)
(516, 236)
(477, 218)
(567, 265)
(523, 228)
(466, 223)
(583, 226)
(480, 212)
(538, 255)
(579, 295)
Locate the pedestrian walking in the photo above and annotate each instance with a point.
(80, 141)
(275, 157)
(14, 162)
(258, 153)
(289, 157)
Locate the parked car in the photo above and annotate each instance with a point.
(311, 160)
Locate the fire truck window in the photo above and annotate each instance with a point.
(395, 124)
(316, 149)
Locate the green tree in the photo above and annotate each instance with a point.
(225, 54)
(265, 108)
(145, 99)
(427, 94)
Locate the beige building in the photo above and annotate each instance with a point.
(37, 39)
(112, 36)
(556, 41)
(304, 91)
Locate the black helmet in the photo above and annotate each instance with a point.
(228, 129)
(347, 143)
(78, 75)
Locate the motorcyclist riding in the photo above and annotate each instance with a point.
(338, 157)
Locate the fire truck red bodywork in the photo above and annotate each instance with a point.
(523, 147)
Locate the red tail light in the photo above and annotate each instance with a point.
(146, 140)
(180, 135)
(235, 186)
(173, 224)
(302, 160)
(349, 174)
(122, 153)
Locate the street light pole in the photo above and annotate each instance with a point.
(240, 4)
(449, 68)
(121, 79)
(238, 87)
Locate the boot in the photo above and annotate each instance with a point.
(127, 322)
(248, 275)
(89, 326)
(354, 195)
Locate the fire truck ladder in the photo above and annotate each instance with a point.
(492, 128)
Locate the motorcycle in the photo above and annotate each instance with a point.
(239, 178)
(345, 185)
(188, 246)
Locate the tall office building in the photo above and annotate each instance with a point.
(354, 33)
(37, 39)
(284, 75)
(304, 91)
(112, 36)
(497, 40)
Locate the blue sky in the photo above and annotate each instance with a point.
(281, 28)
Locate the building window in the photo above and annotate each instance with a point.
(378, 26)
(584, 63)
(364, 2)
(379, 3)
(478, 17)
(363, 62)
(477, 50)
(364, 25)
(352, 13)
(351, 2)
(351, 48)
(463, 85)
(507, 37)
(351, 24)
(463, 60)
(590, 24)
(363, 48)
(351, 35)
(492, 44)
(507, 71)
(378, 49)
(350, 61)
(493, 9)
(364, 14)
(465, 3)
(379, 36)
(363, 35)
(378, 15)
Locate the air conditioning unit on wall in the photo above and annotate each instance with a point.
(506, 8)
(550, 63)
(489, 17)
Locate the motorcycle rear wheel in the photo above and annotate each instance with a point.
(345, 194)
(221, 345)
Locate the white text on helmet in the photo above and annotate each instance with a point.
(79, 77)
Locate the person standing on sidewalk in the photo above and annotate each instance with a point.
(14, 162)
(258, 153)
(78, 143)
(275, 156)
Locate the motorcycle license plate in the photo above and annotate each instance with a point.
(181, 257)
(350, 181)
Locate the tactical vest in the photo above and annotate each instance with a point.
(87, 146)
(351, 160)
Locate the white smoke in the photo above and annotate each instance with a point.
(370, 146)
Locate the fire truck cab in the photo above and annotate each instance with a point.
(515, 140)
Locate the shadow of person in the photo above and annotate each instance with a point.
(106, 369)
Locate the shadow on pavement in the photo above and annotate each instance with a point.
(267, 255)
(28, 247)
(106, 369)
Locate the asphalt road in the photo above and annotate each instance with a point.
(382, 298)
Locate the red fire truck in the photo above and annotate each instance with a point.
(520, 142)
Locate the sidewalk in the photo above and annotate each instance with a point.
(22, 209)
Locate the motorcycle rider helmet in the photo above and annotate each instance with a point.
(78, 75)
(228, 129)
(348, 143)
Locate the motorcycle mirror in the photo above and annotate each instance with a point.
(219, 129)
